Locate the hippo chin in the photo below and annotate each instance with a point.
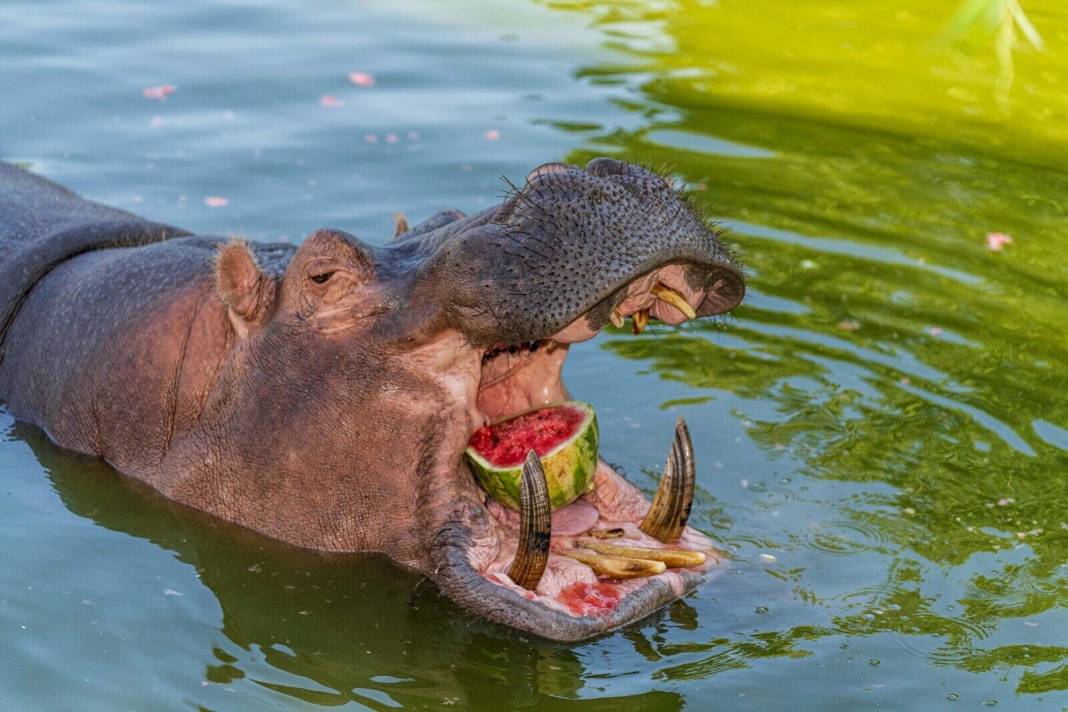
(324, 394)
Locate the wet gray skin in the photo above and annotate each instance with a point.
(324, 394)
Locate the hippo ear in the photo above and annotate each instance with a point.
(243, 288)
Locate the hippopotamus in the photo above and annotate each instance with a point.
(324, 394)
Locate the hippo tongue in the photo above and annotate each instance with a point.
(574, 519)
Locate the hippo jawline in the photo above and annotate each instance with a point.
(472, 557)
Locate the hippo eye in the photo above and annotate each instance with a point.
(322, 278)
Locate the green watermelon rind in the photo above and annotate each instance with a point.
(569, 467)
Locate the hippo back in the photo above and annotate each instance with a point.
(43, 224)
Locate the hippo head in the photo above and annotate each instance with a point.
(362, 372)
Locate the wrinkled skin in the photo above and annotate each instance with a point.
(324, 394)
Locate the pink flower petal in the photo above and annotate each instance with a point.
(216, 201)
(995, 241)
(329, 101)
(392, 138)
(362, 79)
(370, 138)
(159, 93)
(492, 135)
(935, 331)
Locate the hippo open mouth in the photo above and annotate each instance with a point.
(567, 599)
(324, 395)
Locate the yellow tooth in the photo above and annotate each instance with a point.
(616, 318)
(614, 533)
(617, 567)
(675, 299)
(400, 224)
(673, 558)
(638, 320)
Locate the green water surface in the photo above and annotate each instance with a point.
(881, 429)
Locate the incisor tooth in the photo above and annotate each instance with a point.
(400, 224)
(669, 295)
(639, 319)
(674, 558)
(614, 533)
(617, 567)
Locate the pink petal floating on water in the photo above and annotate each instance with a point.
(159, 93)
(995, 241)
(392, 138)
(935, 331)
(370, 138)
(492, 135)
(156, 122)
(329, 101)
(216, 201)
(362, 79)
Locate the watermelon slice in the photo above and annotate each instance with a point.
(565, 437)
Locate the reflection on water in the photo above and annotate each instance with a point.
(884, 345)
(881, 429)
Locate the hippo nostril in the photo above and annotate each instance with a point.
(607, 167)
(548, 169)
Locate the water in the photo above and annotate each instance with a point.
(881, 428)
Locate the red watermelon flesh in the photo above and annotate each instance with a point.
(506, 444)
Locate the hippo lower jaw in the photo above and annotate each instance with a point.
(473, 552)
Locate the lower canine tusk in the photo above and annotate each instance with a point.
(535, 525)
(669, 295)
(668, 514)
(616, 318)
